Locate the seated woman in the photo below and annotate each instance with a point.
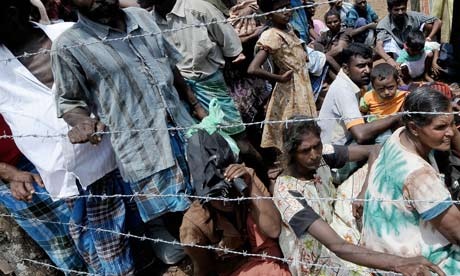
(417, 216)
(301, 195)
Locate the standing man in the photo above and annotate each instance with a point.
(129, 84)
(28, 107)
(206, 49)
(393, 29)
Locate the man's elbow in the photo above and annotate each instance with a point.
(360, 137)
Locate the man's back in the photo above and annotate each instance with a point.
(203, 47)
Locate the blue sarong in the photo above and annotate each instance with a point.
(53, 238)
(172, 181)
(106, 253)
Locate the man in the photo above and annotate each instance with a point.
(130, 86)
(393, 29)
(342, 8)
(363, 16)
(23, 194)
(334, 40)
(28, 107)
(206, 49)
(341, 101)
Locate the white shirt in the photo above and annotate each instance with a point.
(341, 102)
(28, 107)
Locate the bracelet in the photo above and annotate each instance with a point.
(195, 103)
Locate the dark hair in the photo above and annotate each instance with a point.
(415, 40)
(332, 12)
(293, 134)
(424, 99)
(23, 6)
(382, 71)
(356, 49)
(393, 3)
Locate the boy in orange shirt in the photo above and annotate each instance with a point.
(385, 98)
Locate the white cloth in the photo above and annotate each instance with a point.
(341, 101)
(28, 107)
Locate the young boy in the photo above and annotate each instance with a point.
(415, 59)
(385, 98)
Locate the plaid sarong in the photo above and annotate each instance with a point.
(106, 253)
(172, 181)
(53, 238)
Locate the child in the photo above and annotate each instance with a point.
(292, 94)
(415, 59)
(385, 98)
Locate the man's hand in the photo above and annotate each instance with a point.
(199, 112)
(417, 266)
(393, 63)
(21, 183)
(239, 58)
(84, 131)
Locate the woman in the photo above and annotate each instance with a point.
(305, 221)
(405, 170)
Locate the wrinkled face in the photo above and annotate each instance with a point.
(358, 69)
(398, 12)
(333, 22)
(281, 18)
(386, 88)
(98, 10)
(361, 5)
(309, 152)
(438, 134)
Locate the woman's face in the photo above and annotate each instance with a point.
(438, 134)
(309, 152)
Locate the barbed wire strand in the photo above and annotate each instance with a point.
(207, 247)
(241, 199)
(222, 127)
(187, 26)
(58, 268)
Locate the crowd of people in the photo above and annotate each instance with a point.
(131, 139)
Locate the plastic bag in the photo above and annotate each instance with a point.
(212, 123)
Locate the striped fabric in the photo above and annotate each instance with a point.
(128, 83)
(53, 238)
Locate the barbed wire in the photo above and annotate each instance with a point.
(206, 247)
(187, 26)
(58, 268)
(223, 127)
(241, 199)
